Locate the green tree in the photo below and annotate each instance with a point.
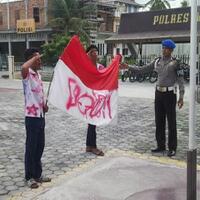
(53, 50)
(69, 16)
(184, 3)
(158, 4)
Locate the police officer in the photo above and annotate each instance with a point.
(169, 73)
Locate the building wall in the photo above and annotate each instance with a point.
(107, 24)
(13, 43)
(17, 11)
(120, 7)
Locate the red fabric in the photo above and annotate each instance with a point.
(76, 59)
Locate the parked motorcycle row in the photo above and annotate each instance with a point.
(129, 74)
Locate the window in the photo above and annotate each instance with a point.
(1, 18)
(36, 14)
(129, 9)
(17, 15)
(117, 28)
(100, 49)
(124, 51)
(118, 51)
(110, 47)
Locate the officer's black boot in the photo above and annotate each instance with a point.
(158, 150)
(171, 153)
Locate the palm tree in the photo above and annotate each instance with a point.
(68, 16)
(184, 3)
(158, 4)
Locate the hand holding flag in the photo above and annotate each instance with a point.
(81, 90)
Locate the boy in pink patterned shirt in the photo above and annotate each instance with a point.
(35, 107)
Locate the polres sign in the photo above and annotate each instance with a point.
(161, 20)
(26, 26)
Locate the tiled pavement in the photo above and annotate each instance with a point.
(65, 137)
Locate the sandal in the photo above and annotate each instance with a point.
(32, 183)
(43, 179)
(95, 151)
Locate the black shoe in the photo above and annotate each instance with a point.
(158, 150)
(171, 153)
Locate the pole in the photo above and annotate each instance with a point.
(193, 64)
(48, 90)
(26, 16)
(8, 15)
(192, 152)
(8, 27)
(11, 67)
(45, 12)
(26, 8)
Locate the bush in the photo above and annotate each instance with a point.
(53, 50)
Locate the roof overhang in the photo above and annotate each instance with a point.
(150, 37)
(154, 26)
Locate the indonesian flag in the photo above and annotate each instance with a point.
(81, 90)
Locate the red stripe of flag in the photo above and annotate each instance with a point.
(76, 59)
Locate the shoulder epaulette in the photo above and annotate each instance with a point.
(177, 59)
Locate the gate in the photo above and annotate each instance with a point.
(3, 62)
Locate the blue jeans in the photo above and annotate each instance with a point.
(35, 140)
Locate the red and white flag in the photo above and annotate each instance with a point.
(81, 90)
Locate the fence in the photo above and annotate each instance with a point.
(147, 59)
(46, 71)
(48, 68)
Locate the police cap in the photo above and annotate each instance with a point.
(168, 43)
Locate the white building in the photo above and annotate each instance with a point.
(120, 6)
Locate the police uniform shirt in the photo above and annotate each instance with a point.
(169, 73)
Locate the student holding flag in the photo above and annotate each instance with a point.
(92, 52)
(35, 108)
(85, 89)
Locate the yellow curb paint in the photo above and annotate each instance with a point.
(161, 159)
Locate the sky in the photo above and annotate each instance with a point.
(173, 3)
(2, 1)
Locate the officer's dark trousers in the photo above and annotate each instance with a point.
(35, 139)
(91, 136)
(165, 106)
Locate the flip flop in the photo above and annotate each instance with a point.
(95, 151)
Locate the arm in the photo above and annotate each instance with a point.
(29, 63)
(180, 81)
(145, 69)
(181, 91)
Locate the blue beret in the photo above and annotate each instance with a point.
(168, 43)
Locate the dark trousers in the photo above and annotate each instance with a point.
(165, 106)
(91, 136)
(35, 140)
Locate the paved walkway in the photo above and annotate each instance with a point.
(122, 177)
(65, 136)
